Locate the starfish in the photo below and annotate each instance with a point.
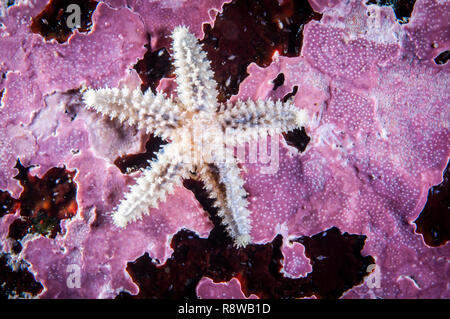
(195, 124)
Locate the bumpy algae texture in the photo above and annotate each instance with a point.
(379, 131)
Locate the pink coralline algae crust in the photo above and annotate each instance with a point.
(161, 17)
(429, 28)
(106, 249)
(379, 134)
(44, 124)
(35, 69)
(295, 263)
(380, 139)
(321, 5)
(208, 289)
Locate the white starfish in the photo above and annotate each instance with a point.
(195, 124)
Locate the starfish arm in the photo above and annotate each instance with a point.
(195, 79)
(156, 113)
(151, 187)
(224, 183)
(249, 120)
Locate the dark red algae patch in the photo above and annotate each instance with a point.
(251, 31)
(442, 58)
(8, 204)
(336, 258)
(257, 267)
(133, 162)
(16, 283)
(278, 81)
(434, 220)
(402, 8)
(154, 66)
(297, 138)
(336, 261)
(43, 202)
(55, 21)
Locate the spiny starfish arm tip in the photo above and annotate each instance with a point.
(225, 185)
(154, 112)
(242, 241)
(197, 88)
(180, 31)
(151, 188)
(119, 220)
(235, 213)
(249, 120)
(302, 118)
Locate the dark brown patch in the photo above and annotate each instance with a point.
(291, 94)
(336, 261)
(278, 81)
(8, 205)
(402, 8)
(133, 162)
(442, 58)
(52, 22)
(297, 138)
(336, 258)
(16, 283)
(153, 67)
(251, 31)
(44, 202)
(434, 220)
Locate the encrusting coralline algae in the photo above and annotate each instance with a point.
(378, 113)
